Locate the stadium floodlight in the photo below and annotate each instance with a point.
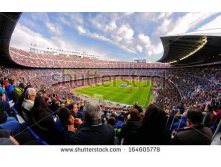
(171, 62)
(203, 41)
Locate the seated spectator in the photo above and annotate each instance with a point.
(196, 133)
(43, 122)
(10, 124)
(66, 118)
(153, 131)
(17, 92)
(93, 132)
(29, 99)
(3, 102)
(6, 120)
(131, 127)
(73, 107)
(40, 112)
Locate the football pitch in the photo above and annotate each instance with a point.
(120, 91)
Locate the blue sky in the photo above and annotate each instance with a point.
(112, 36)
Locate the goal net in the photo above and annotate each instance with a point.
(98, 97)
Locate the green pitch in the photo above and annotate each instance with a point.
(114, 91)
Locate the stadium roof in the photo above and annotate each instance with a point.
(7, 24)
(192, 48)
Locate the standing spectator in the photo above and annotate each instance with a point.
(136, 106)
(153, 131)
(10, 88)
(129, 130)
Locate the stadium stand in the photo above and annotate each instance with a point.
(35, 95)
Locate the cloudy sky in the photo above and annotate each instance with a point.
(112, 36)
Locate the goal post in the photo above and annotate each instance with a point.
(98, 97)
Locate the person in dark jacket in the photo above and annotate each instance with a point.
(93, 132)
(196, 133)
(153, 131)
(43, 122)
(66, 118)
(136, 106)
(130, 129)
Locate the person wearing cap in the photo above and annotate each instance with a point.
(6, 121)
(93, 132)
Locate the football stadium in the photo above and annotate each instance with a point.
(110, 79)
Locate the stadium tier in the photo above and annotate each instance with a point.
(60, 99)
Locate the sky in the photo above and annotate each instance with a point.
(109, 36)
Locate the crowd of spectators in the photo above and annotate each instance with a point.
(43, 60)
(60, 117)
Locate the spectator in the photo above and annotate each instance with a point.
(129, 130)
(3, 102)
(18, 92)
(28, 102)
(136, 106)
(94, 132)
(153, 131)
(6, 138)
(196, 133)
(73, 107)
(10, 88)
(8, 123)
(111, 121)
(43, 122)
(66, 118)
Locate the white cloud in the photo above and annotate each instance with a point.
(125, 32)
(133, 32)
(97, 36)
(212, 26)
(164, 27)
(110, 27)
(139, 48)
(144, 39)
(81, 30)
(188, 21)
(54, 29)
(22, 38)
(164, 15)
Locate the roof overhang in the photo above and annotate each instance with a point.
(191, 48)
